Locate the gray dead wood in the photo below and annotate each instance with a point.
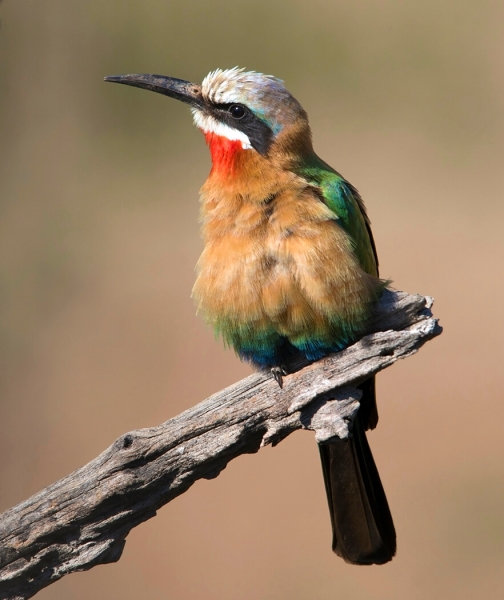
(83, 520)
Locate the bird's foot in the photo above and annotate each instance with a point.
(278, 373)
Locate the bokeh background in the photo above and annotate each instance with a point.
(99, 238)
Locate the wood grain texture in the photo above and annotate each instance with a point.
(83, 519)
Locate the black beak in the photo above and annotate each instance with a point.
(185, 91)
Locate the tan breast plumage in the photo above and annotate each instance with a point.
(279, 261)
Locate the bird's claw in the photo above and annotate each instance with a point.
(278, 373)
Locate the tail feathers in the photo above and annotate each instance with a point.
(363, 530)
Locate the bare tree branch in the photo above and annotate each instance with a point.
(83, 520)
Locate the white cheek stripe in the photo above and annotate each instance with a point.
(210, 125)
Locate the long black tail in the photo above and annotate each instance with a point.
(363, 530)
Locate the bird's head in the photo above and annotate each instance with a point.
(245, 111)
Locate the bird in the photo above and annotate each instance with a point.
(288, 269)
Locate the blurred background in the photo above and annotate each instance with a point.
(98, 242)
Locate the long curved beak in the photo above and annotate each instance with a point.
(185, 91)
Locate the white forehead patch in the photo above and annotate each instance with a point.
(231, 85)
(210, 125)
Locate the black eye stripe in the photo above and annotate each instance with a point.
(229, 108)
(258, 132)
(226, 105)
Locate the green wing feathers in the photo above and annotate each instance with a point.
(348, 207)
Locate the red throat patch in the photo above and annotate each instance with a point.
(226, 154)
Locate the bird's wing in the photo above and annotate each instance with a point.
(345, 202)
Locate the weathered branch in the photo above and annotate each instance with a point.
(83, 519)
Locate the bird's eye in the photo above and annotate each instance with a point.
(236, 111)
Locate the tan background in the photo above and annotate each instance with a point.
(99, 237)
